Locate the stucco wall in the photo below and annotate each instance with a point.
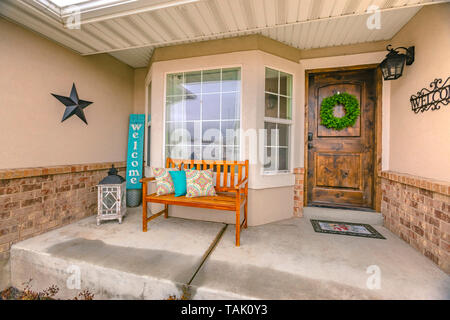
(139, 90)
(420, 143)
(252, 65)
(30, 118)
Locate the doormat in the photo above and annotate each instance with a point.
(346, 228)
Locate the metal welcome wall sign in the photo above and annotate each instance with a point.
(135, 156)
(438, 95)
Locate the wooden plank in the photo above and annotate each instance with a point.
(156, 215)
(225, 176)
(223, 201)
(239, 173)
(232, 167)
(218, 166)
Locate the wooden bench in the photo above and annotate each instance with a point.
(232, 193)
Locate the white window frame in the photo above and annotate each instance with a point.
(203, 69)
(279, 120)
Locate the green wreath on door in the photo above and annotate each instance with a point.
(351, 107)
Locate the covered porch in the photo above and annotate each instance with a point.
(339, 108)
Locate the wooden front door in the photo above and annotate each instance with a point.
(341, 162)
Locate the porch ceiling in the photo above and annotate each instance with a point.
(131, 33)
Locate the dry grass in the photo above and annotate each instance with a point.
(48, 294)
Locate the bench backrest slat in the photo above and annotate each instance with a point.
(232, 168)
(221, 168)
(225, 176)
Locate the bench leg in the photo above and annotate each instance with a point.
(144, 207)
(245, 215)
(238, 226)
(166, 211)
(144, 216)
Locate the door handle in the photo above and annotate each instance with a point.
(310, 145)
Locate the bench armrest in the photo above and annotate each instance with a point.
(143, 180)
(241, 184)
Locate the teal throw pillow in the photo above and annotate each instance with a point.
(179, 182)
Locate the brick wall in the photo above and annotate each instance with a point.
(298, 191)
(418, 211)
(34, 201)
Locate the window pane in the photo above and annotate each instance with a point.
(230, 132)
(193, 82)
(175, 84)
(181, 133)
(271, 133)
(192, 111)
(178, 152)
(195, 153)
(283, 135)
(269, 159)
(230, 105)
(211, 106)
(211, 81)
(231, 153)
(278, 104)
(194, 132)
(167, 154)
(203, 114)
(211, 152)
(283, 161)
(285, 108)
(231, 79)
(285, 84)
(271, 106)
(171, 134)
(174, 109)
(271, 80)
(211, 132)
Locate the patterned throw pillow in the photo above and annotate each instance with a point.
(164, 182)
(199, 183)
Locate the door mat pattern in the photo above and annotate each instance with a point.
(346, 228)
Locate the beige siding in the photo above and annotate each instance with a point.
(30, 118)
(420, 143)
(139, 90)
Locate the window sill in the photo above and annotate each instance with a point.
(277, 173)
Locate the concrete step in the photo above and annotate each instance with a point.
(115, 261)
(282, 260)
(344, 215)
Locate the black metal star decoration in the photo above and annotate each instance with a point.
(73, 105)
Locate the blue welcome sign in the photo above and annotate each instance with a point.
(135, 151)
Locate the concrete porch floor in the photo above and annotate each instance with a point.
(283, 260)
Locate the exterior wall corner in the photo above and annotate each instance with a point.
(298, 191)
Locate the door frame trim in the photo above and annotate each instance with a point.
(377, 135)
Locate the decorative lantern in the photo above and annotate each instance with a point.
(111, 197)
(392, 66)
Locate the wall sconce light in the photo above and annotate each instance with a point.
(392, 66)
